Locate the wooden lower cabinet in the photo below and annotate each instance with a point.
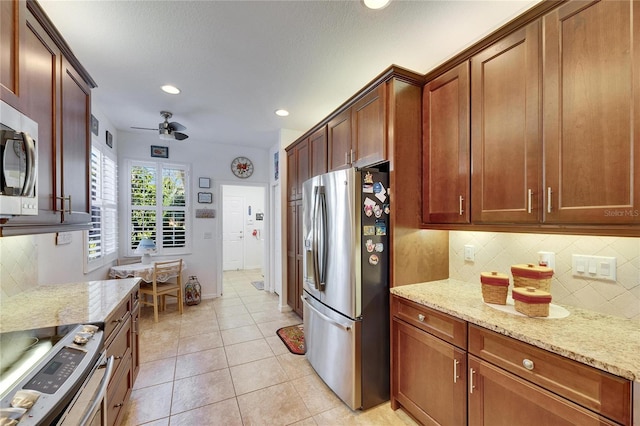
(497, 398)
(429, 377)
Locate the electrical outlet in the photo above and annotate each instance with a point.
(594, 267)
(469, 253)
(547, 258)
(63, 238)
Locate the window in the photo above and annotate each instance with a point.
(102, 238)
(158, 195)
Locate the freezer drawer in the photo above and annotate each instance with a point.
(333, 350)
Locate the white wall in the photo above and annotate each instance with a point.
(207, 159)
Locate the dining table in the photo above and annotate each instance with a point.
(142, 270)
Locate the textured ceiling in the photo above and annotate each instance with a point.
(236, 62)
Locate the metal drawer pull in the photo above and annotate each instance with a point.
(455, 370)
(549, 192)
(118, 405)
(528, 364)
(471, 385)
(529, 195)
(420, 317)
(460, 209)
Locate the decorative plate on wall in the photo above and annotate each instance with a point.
(242, 167)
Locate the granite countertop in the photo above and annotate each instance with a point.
(605, 342)
(63, 304)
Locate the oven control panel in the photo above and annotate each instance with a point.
(57, 371)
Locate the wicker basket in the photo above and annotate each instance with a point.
(531, 301)
(495, 287)
(530, 275)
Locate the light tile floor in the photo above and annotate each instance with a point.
(221, 363)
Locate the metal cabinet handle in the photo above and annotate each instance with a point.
(421, 317)
(460, 209)
(63, 200)
(351, 155)
(455, 370)
(471, 385)
(529, 196)
(117, 405)
(346, 157)
(528, 364)
(549, 192)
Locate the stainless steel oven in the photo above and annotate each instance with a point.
(18, 163)
(64, 367)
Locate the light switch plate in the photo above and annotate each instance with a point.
(594, 267)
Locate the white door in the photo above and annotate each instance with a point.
(232, 233)
(276, 240)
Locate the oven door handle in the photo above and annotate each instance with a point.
(88, 415)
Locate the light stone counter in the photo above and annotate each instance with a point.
(608, 343)
(63, 304)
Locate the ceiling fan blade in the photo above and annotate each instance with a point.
(176, 126)
(142, 128)
(180, 136)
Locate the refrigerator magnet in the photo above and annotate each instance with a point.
(377, 210)
(368, 210)
(368, 177)
(373, 259)
(368, 230)
(369, 245)
(379, 247)
(385, 208)
(381, 228)
(367, 188)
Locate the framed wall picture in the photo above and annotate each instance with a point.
(95, 124)
(205, 197)
(204, 182)
(109, 139)
(160, 151)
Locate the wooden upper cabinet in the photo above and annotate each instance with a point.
(302, 165)
(11, 32)
(369, 128)
(75, 198)
(339, 141)
(505, 140)
(592, 113)
(318, 152)
(446, 162)
(292, 178)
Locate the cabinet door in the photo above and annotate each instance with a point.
(11, 29)
(302, 165)
(339, 141)
(299, 253)
(292, 178)
(75, 146)
(428, 376)
(292, 275)
(369, 128)
(318, 152)
(40, 84)
(592, 113)
(505, 136)
(499, 398)
(446, 163)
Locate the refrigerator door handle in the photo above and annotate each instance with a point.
(320, 238)
(323, 316)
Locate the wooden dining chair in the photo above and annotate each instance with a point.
(160, 287)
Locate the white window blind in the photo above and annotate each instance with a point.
(102, 238)
(158, 206)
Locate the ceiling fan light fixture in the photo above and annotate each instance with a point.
(282, 112)
(376, 4)
(172, 90)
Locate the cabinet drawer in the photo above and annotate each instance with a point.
(117, 317)
(594, 389)
(120, 344)
(118, 395)
(446, 327)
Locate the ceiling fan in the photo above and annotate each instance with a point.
(168, 130)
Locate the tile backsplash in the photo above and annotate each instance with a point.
(18, 264)
(498, 251)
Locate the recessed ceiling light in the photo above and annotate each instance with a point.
(172, 90)
(376, 4)
(282, 112)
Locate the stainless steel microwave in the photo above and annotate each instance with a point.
(18, 163)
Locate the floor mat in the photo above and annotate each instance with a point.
(293, 338)
(258, 284)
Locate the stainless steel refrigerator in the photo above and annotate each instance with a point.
(346, 283)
